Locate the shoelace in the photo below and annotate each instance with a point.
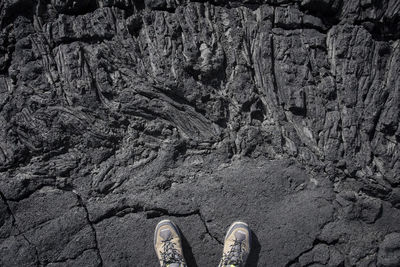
(235, 256)
(170, 254)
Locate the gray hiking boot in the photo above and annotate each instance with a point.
(236, 245)
(167, 244)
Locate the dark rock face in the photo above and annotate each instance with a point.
(116, 114)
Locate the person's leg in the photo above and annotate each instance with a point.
(168, 245)
(236, 245)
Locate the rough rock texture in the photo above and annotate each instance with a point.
(118, 113)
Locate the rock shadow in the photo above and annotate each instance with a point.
(187, 252)
(254, 255)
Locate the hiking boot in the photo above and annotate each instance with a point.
(236, 245)
(168, 246)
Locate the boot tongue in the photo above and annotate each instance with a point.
(235, 254)
(236, 249)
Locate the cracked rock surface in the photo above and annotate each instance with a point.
(116, 114)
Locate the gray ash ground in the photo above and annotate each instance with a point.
(116, 114)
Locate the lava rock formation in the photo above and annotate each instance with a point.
(116, 114)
